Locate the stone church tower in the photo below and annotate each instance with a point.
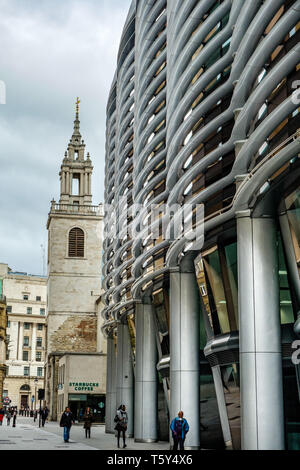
(74, 264)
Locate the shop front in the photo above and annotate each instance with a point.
(82, 384)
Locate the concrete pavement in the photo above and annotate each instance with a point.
(28, 436)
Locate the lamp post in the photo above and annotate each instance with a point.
(35, 385)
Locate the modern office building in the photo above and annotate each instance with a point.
(203, 114)
(26, 299)
(74, 286)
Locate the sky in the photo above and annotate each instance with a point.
(51, 51)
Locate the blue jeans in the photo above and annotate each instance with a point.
(66, 433)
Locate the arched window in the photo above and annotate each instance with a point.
(76, 242)
(25, 387)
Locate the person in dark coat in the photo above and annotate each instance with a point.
(44, 415)
(8, 417)
(14, 418)
(88, 419)
(1, 415)
(179, 428)
(121, 420)
(66, 421)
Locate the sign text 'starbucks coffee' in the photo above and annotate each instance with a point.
(84, 386)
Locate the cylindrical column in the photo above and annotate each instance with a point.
(145, 410)
(185, 349)
(262, 421)
(124, 393)
(110, 386)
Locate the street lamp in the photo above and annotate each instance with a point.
(35, 385)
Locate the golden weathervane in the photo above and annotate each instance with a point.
(77, 104)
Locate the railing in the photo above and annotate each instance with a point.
(76, 208)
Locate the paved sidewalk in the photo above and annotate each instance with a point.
(28, 436)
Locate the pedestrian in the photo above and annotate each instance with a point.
(88, 419)
(8, 417)
(1, 415)
(66, 421)
(179, 428)
(34, 415)
(14, 418)
(44, 415)
(121, 421)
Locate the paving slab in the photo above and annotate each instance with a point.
(27, 435)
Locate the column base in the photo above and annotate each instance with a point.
(148, 441)
(188, 448)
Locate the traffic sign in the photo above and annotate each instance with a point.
(6, 400)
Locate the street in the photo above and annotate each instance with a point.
(28, 436)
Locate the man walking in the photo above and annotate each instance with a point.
(44, 415)
(66, 421)
(8, 417)
(179, 428)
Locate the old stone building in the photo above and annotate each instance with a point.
(3, 342)
(26, 298)
(74, 265)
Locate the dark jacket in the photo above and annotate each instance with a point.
(88, 419)
(179, 429)
(66, 420)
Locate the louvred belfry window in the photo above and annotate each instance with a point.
(76, 243)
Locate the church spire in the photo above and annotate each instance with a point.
(76, 137)
(76, 170)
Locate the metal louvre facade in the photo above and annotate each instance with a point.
(203, 113)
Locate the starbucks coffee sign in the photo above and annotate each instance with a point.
(83, 386)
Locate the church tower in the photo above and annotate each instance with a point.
(74, 264)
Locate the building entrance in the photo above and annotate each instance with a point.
(24, 401)
(78, 404)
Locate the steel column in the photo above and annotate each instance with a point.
(262, 421)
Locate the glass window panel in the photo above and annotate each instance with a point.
(286, 307)
(213, 272)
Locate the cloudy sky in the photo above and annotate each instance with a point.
(51, 51)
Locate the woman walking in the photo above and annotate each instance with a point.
(8, 417)
(88, 419)
(121, 419)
